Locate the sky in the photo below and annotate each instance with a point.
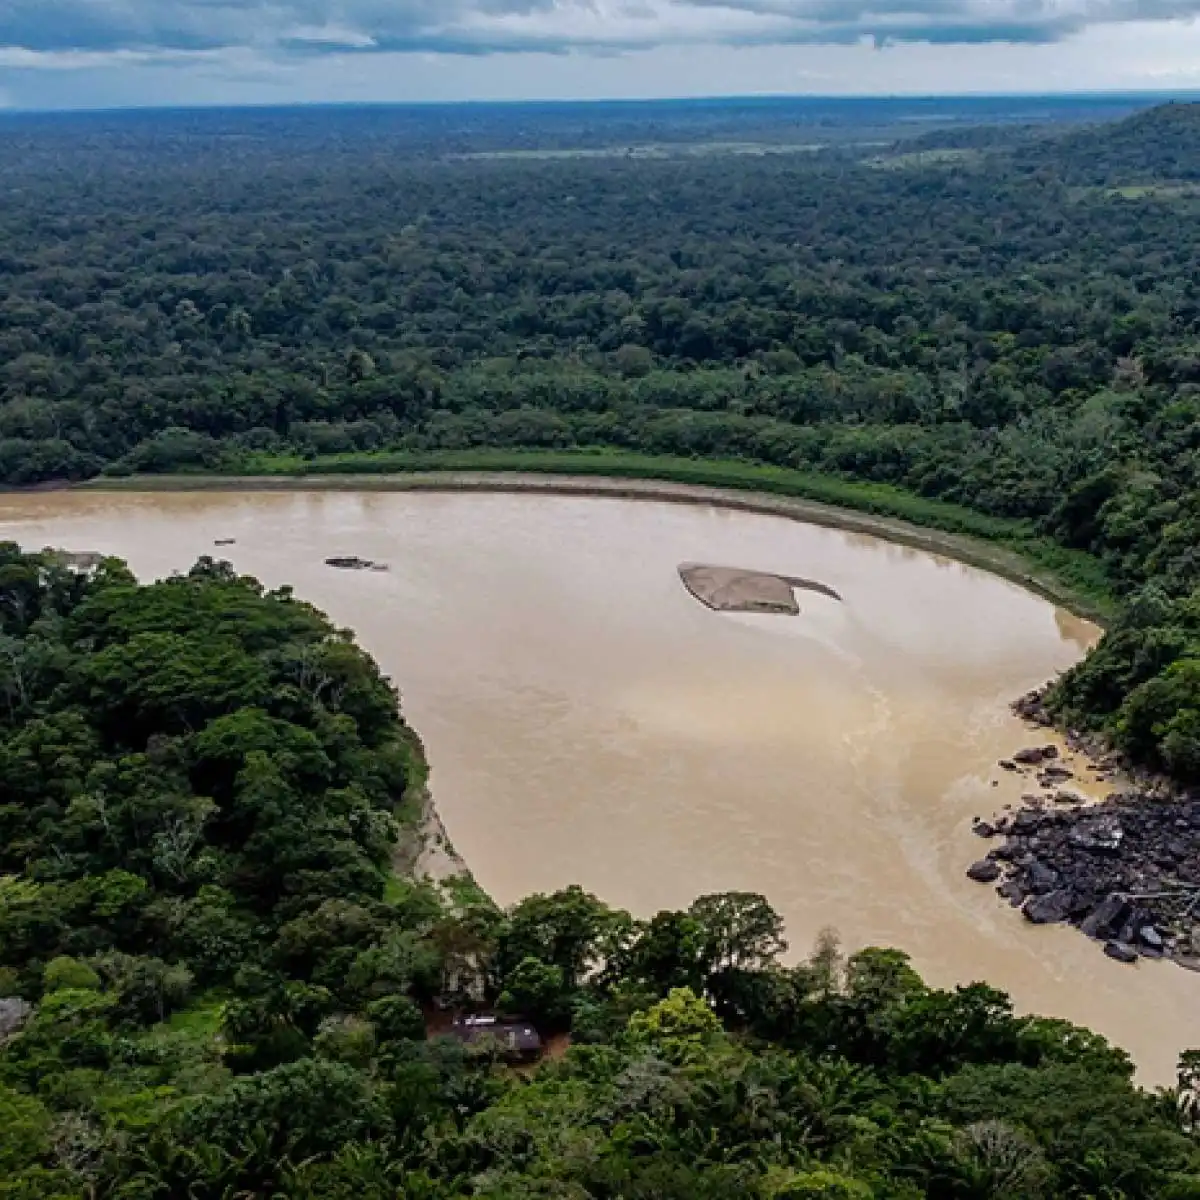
(115, 53)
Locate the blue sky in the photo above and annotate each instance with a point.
(97, 53)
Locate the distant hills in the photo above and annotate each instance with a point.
(1160, 144)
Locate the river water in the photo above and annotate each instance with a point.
(589, 722)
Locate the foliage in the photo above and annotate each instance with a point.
(997, 335)
(216, 985)
(200, 798)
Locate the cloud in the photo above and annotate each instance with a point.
(57, 32)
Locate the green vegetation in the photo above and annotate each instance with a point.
(1000, 340)
(1009, 547)
(212, 985)
(937, 156)
(214, 981)
(880, 498)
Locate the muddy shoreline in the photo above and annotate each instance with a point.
(974, 552)
(628, 742)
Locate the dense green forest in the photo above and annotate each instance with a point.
(1004, 317)
(215, 981)
(215, 986)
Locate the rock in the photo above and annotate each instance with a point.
(1026, 821)
(1123, 870)
(1048, 909)
(1041, 878)
(354, 563)
(1121, 951)
(225, 542)
(1068, 797)
(1106, 918)
(1151, 938)
(1052, 776)
(984, 871)
(1030, 756)
(983, 829)
(1101, 834)
(1008, 764)
(14, 1012)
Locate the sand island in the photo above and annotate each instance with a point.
(733, 589)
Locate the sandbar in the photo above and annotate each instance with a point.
(735, 589)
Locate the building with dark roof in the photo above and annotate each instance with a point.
(519, 1039)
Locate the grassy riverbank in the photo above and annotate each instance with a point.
(1009, 548)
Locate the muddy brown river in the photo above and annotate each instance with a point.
(589, 722)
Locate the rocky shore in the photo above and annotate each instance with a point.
(1124, 870)
(428, 854)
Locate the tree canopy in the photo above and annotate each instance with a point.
(213, 983)
(1004, 317)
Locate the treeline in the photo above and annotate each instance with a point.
(1016, 330)
(213, 984)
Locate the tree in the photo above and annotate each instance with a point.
(666, 953)
(536, 990)
(396, 1019)
(65, 972)
(563, 930)
(739, 930)
(676, 1027)
(305, 1108)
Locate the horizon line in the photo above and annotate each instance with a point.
(1166, 94)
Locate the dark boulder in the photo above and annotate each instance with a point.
(1032, 756)
(984, 871)
(1026, 821)
(1048, 909)
(1041, 879)
(1106, 919)
(1121, 951)
(1053, 776)
(1102, 834)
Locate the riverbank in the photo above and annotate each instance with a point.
(427, 854)
(590, 724)
(1006, 548)
(1124, 868)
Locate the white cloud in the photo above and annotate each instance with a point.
(475, 27)
(139, 52)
